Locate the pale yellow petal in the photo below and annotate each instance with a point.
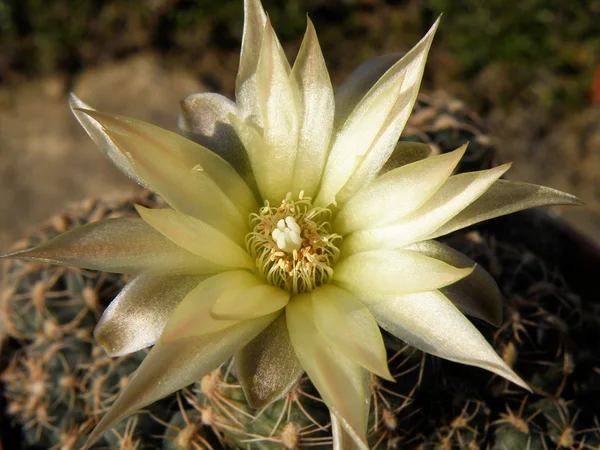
(204, 118)
(338, 379)
(174, 365)
(395, 272)
(122, 245)
(198, 237)
(431, 323)
(268, 367)
(397, 193)
(103, 141)
(316, 109)
(369, 135)
(505, 197)
(193, 179)
(192, 317)
(136, 318)
(458, 192)
(245, 83)
(249, 303)
(476, 295)
(406, 152)
(349, 326)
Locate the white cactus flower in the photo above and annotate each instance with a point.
(284, 246)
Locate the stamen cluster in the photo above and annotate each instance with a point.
(293, 245)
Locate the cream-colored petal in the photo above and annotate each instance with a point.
(406, 153)
(198, 237)
(193, 179)
(268, 367)
(122, 245)
(245, 83)
(505, 197)
(193, 317)
(250, 303)
(136, 317)
(458, 192)
(395, 272)
(172, 366)
(431, 323)
(369, 135)
(360, 81)
(279, 119)
(339, 380)
(316, 109)
(102, 140)
(349, 326)
(397, 193)
(204, 118)
(476, 295)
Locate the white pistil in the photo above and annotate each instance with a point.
(287, 235)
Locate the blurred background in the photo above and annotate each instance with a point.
(530, 68)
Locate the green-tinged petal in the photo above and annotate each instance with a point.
(277, 104)
(397, 193)
(431, 323)
(174, 365)
(136, 317)
(192, 317)
(268, 367)
(349, 326)
(316, 109)
(193, 179)
(198, 237)
(458, 192)
(505, 197)
(369, 135)
(245, 83)
(204, 118)
(395, 272)
(476, 295)
(103, 141)
(360, 81)
(250, 303)
(339, 380)
(122, 245)
(406, 153)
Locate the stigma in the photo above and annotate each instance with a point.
(287, 235)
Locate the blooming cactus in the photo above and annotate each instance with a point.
(284, 245)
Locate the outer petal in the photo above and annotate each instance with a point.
(395, 272)
(136, 317)
(430, 322)
(371, 132)
(397, 193)
(273, 164)
(192, 316)
(245, 84)
(250, 303)
(456, 194)
(315, 113)
(268, 367)
(338, 379)
(406, 153)
(349, 326)
(123, 245)
(198, 237)
(191, 178)
(102, 140)
(360, 81)
(172, 366)
(478, 294)
(204, 118)
(505, 197)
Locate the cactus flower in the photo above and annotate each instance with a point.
(285, 245)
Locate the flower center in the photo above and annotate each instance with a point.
(293, 245)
